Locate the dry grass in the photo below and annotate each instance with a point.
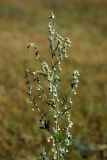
(86, 23)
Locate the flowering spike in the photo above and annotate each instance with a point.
(58, 106)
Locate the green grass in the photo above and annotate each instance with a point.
(26, 21)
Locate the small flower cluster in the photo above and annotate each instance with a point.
(45, 70)
(75, 81)
(59, 107)
(43, 155)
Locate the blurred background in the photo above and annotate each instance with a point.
(24, 21)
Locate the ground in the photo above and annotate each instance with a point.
(22, 22)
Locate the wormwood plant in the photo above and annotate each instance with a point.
(58, 104)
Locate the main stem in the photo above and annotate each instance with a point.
(57, 120)
(56, 109)
(57, 126)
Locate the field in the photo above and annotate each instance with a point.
(24, 21)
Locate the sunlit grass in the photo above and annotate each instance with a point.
(87, 29)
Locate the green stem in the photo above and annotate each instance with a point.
(57, 142)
